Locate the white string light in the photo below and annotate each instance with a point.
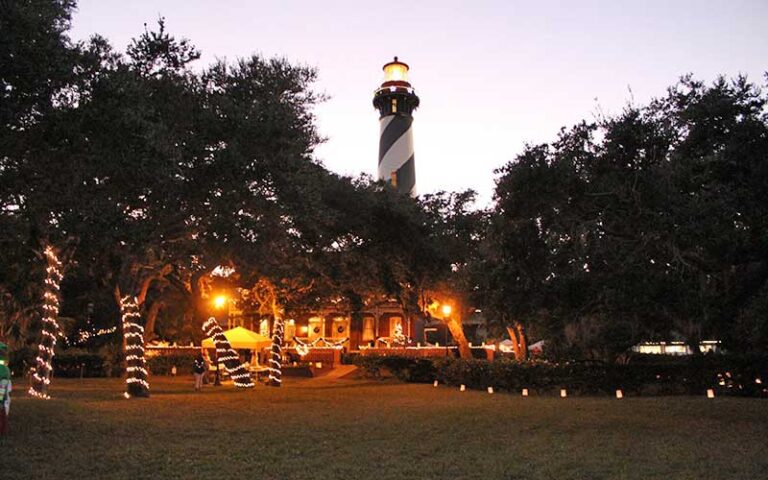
(41, 373)
(83, 335)
(225, 354)
(303, 348)
(137, 376)
(276, 357)
(399, 336)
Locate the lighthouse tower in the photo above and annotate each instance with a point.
(396, 100)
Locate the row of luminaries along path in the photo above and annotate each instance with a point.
(563, 391)
(137, 379)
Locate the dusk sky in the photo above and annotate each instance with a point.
(491, 75)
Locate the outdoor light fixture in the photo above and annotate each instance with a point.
(525, 392)
(462, 388)
(220, 301)
(710, 393)
(563, 393)
(619, 394)
(490, 389)
(434, 384)
(446, 310)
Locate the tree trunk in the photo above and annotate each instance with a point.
(136, 379)
(152, 314)
(457, 332)
(276, 359)
(522, 340)
(41, 376)
(519, 342)
(515, 344)
(227, 355)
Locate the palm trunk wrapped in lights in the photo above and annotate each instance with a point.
(137, 384)
(227, 355)
(41, 376)
(276, 359)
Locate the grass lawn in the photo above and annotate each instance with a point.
(375, 430)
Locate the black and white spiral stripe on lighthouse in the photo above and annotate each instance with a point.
(396, 100)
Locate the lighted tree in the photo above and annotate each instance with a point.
(227, 356)
(137, 379)
(265, 293)
(41, 376)
(399, 337)
(276, 354)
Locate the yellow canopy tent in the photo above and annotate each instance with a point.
(241, 339)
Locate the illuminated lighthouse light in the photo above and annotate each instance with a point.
(395, 72)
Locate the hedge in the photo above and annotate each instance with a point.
(743, 376)
(162, 364)
(81, 363)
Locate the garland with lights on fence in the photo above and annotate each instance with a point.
(137, 377)
(225, 354)
(276, 358)
(41, 374)
(302, 348)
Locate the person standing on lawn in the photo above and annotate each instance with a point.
(199, 369)
(5, 389)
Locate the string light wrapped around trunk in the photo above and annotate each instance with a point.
(276, 358)
(225, 354)
(137, 384)
(41, 374)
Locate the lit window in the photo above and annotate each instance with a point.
(394, 105)
(368, 333)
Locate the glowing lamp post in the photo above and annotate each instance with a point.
(219, 302)
(446, 309)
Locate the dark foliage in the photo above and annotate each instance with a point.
(727, 375)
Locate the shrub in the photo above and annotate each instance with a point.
(407, 369)
(745, 376)
(350, 358)
(79, 363)
(21, 360)
(162, 364)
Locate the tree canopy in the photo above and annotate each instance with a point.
(646, 225)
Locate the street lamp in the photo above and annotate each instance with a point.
(446, 314)
(219, 302)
